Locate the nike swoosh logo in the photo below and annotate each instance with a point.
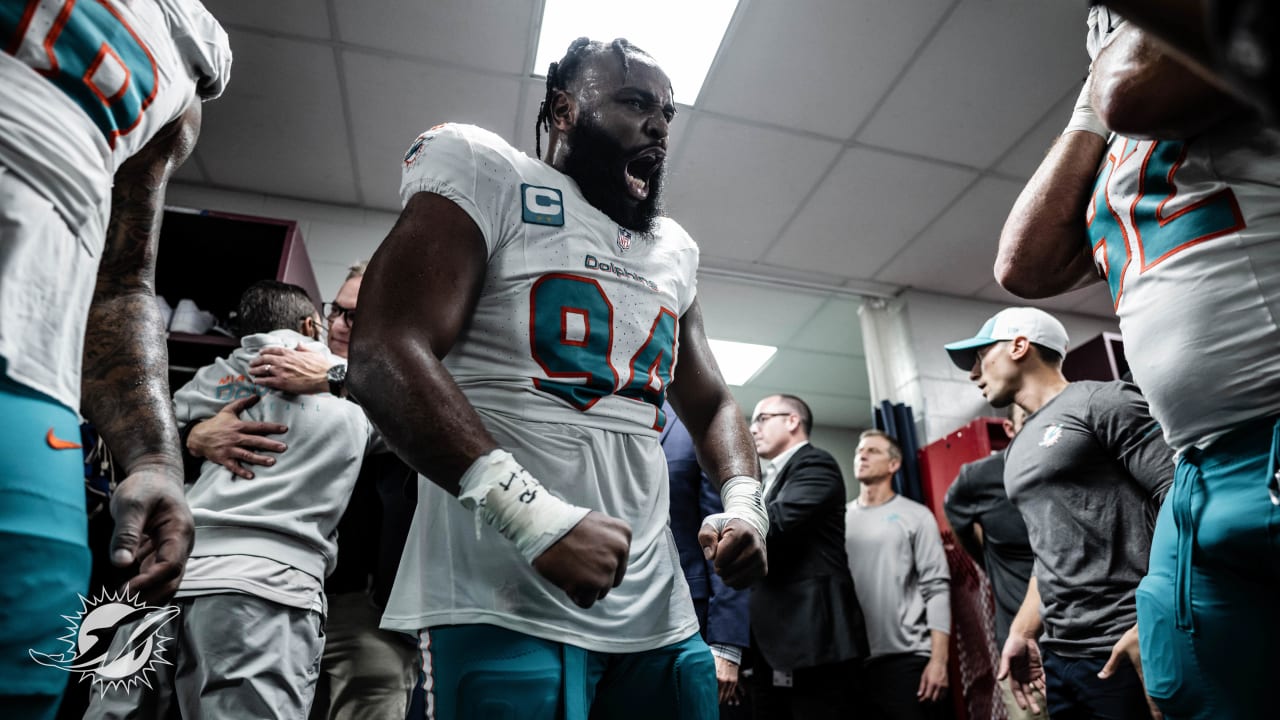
(58, 443)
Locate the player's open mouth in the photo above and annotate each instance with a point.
(641, 169)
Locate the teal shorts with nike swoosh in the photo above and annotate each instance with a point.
(44, 551)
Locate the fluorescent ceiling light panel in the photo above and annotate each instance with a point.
(684, 48)
(739, 362)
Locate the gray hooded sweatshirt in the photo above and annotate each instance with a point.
(289, 512)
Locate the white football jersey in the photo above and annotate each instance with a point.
(89, 83)
(566, 359)
(578, 319)
(1187, 235)
(83, 86)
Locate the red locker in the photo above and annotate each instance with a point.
(941, 459)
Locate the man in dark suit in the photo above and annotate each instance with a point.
(722, 611)
(806, 626)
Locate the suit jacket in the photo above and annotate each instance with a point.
(693, 497)
(805, 613)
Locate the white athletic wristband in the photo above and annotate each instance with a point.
(742, 501)
(1084, 118)
(506, 497)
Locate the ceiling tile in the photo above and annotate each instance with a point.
(735, 185)
(485, 34)
(835, 328)
(752, 313)
(1025, 157)
(819, 373)
(279, 128)
(870, 205)
(386, 119)
(992, 71)
(820, 68)
(955, 255)
(300, 17)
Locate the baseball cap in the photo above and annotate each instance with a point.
(1035, 325)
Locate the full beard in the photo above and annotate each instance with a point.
(597, 162)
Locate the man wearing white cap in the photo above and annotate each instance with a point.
(1087, 472)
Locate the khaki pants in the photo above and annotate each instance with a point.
(366, 673)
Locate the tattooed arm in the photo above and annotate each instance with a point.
(125, 390)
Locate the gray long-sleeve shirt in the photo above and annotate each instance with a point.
(900, 574)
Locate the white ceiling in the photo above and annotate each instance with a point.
(869, 145)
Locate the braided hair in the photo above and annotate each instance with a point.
(560, 74)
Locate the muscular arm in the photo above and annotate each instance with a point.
(1142, 90)
(724, 448)
(1043, 246)
(125, 390)
(705, 405)
(418, 294)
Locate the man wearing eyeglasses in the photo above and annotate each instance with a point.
(806, 625)
(365, 671)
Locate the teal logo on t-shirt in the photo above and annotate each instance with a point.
(542, 205)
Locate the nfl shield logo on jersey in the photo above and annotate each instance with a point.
(624, 239)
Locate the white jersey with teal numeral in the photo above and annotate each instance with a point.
(1187, 235)
(83, 86)
(98, 79)
(578, 319)
(567, 359)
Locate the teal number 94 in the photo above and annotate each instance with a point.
(571, 339)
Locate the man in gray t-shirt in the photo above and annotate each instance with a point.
(1087, 472)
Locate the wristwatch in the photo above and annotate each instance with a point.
(337, 376)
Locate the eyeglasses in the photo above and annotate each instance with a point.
(765, 416)
(333, 310)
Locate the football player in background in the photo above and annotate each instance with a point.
(99, 104)
(1177, 212)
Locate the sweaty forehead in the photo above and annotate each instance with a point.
(603, 73)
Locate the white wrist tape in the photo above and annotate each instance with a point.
(742, 501)
(506, 497)
(1084, 117)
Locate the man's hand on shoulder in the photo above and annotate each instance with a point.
(227, 440)
(590, 560)
(299, 371)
